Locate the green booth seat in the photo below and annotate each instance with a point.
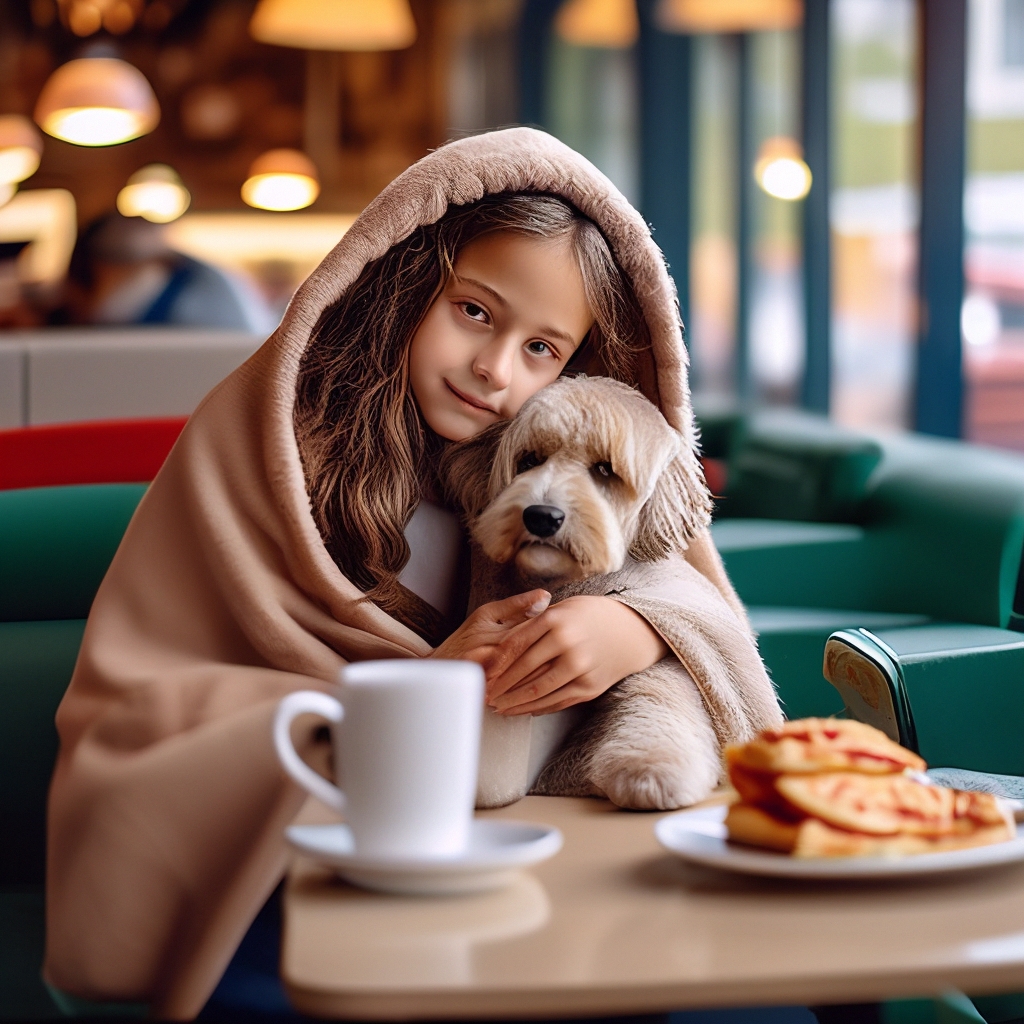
(817, 516)
(791, 641)
(37, 660)
(797, 564)
(55, 546)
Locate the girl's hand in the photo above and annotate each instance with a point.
(490, 637)
(573, 653)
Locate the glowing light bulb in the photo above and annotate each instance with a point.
(780, 170)
(282, 179)
(154, 193)
(93, 126)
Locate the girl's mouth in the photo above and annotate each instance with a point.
(473, 403)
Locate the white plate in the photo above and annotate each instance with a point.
(699, 835)
(497, 850)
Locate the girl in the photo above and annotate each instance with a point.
(296, 526)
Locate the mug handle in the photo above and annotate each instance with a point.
(304, 702)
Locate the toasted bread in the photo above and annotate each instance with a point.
(889, 805)
(816, 839)
(752, 826)
(812, 745)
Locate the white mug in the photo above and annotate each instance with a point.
(406, 742)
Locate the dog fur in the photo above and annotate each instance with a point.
(602, 454)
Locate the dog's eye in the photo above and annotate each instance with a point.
(603, 470)
(528, 461)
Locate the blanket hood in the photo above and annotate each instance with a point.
(511, 160)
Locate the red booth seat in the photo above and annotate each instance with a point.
(104, 452)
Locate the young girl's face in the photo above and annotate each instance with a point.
(511, 315)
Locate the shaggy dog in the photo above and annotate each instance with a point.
(585, 483)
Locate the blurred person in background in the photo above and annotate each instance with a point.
(16, 309)
(123, 272)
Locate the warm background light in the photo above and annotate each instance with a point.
(728, 15)
(335, 24)
(609, 24)
(241, 240)
(780, 169)
(46, 219)
(85, 17)
(282, 179)
(20, 149)
(155, 193)
(97, 101)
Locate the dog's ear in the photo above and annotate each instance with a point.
(465, 469)
(678, 509)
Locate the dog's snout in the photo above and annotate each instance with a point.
(543, 520)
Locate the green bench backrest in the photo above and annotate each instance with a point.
(36, 661)
(55, 546)
(785, 465)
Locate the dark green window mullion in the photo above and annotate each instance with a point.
(938, 405)
(664, 66)
(817, 273)
(534, 41)
(744, 214)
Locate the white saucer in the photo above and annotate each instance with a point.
(699, 835)
(497, 849)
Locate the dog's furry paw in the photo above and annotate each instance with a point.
(658, 750)
(644, 787)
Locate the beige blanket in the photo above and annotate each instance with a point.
(168, 807)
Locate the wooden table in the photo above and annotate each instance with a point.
(616, 925)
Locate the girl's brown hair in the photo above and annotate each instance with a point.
(365, 449)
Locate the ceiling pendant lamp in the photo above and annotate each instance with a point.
(609, 24)
(697, 16)
(780, 169)
(281, 179)
(97, 101)
(21, 146)
(334, 24)
(155, 193)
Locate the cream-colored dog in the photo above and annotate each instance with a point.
(584, 485)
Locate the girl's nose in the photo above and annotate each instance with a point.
(494, 363)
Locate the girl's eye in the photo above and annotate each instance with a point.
(603, 470)
(474, 312)
(539, 348)
(527, 461)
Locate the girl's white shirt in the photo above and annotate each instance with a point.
(435, 541)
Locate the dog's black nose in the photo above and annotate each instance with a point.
(543, 520)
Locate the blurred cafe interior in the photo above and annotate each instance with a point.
(838, 189)
(838, 185)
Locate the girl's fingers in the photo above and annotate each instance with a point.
(564, 697)
(516, 609)
(544, 648)
(547, 682)
(504, 652)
